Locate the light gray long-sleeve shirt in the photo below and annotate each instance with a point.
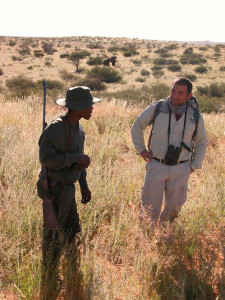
(159, 142)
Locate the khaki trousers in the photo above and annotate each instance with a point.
(168, 182)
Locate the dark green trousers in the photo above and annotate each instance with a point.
(53, 244)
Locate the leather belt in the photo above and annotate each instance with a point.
(162, 161)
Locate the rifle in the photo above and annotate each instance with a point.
(49, 214)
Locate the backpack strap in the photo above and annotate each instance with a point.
(196, 118)
(152, 121)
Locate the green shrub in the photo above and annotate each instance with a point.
(162, 50)
(166, 55)
(48, 63)
(172, 62)
(94, 46)
(137, 62)
(213, 90)
(20, 86)
(159, 61)
(192, 77)
(24, 51)
(12, 43)
(158, 73)
(204, 48)
(159, 91)
(127, 53)
(156, 68)
(172, 47)
(113, 49)
(14, 58)
(30, 68)
(140, 79)
(201, 70)
(52, 85)
(145, 72)
(104, 74)
(65, 75)
(64, 55)
(98, 60)
(174, 68)
(93, 83)
(222, 68)
(189, 57)
(38, 53)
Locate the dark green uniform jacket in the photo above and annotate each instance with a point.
(62, 162)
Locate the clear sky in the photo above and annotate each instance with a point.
(174, 20)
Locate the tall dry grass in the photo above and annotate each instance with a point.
(117, 261)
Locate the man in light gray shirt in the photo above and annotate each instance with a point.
(177, 148)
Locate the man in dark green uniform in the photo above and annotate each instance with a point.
(62, 157)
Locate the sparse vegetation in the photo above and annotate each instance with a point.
(201, 69)
(117, 262)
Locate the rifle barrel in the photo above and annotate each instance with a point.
(44, 105)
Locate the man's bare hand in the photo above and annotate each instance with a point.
(86, 195)
(84, 160)
(146, 154)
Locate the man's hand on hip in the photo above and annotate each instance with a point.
(146, 154)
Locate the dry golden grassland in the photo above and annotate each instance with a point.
(117, 261)
(49, 66)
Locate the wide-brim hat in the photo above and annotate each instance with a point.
(78, 98)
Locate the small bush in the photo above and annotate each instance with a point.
(104, 74)
(159, 91)
(222, 68)
(30, 68)
(48, 63)
(94, 46)
(24, 51)
(93, 83)
(158, 73)
(12, 43)
(192, 77)
(162, 50)
(145, 72)
(204, 48)
(127, 53)
(98, 60)
(174, 68)
(156, 68)
(159, 61)
(64, 55)
(140, 79)
(38, 53)
(65, 75)
(1, 72)
(14, 58)
(137, 62)
(20, 86)
(201, 70)
(113, 49)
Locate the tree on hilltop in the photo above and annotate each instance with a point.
(77, 56)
